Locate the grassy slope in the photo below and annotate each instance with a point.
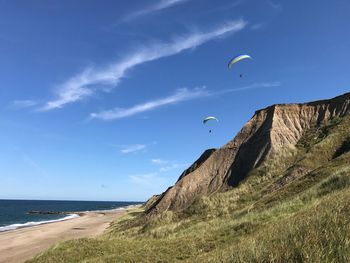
(306, 219)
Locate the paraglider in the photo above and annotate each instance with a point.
(209, 118)
(237, 59)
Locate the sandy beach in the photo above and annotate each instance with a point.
(22, 244)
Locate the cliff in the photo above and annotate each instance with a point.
(268, 133)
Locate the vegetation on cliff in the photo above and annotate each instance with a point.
(293, 208)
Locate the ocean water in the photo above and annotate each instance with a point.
(14, 213)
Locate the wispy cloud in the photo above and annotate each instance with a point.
(219, 8)
(159, 177)
(148, 179)
(33, 164)
(172, 166)
(256, 85)
(167, 165)
(274, 5)
(91, 80)
(20, 104)
(161, 5)
(160, 161)
(133, 148)
(257, 26)
(180, 95)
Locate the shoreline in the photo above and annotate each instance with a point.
(21, 244)
(12, 227)
(66, 216)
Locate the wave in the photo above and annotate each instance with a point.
(111, 209)
(28, 224)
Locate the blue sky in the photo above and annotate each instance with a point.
(106, 101)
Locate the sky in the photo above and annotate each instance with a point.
(105, 101)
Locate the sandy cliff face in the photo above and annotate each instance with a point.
(268, 132)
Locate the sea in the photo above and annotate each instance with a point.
(14, 213)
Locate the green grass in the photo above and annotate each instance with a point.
(294, 208)
(334, 183)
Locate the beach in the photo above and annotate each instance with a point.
(22, 244)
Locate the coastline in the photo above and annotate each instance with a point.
(21, 244)
(38, 223)
(65, 216)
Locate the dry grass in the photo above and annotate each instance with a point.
(306, 219)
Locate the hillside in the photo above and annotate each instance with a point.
(268, 134)
(278, 192)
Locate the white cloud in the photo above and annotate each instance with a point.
(251, 86)
(133, 148)
(91, 80)
(180, 95)
(172, 166)
(148, 179)
(167, 3)
(20, 104)
(157, 178)
(167, 165)
(33, 164)
(160, 161)
(274, 5)
(161, 5)
(257, 26)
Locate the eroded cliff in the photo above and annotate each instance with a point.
(269, 132)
